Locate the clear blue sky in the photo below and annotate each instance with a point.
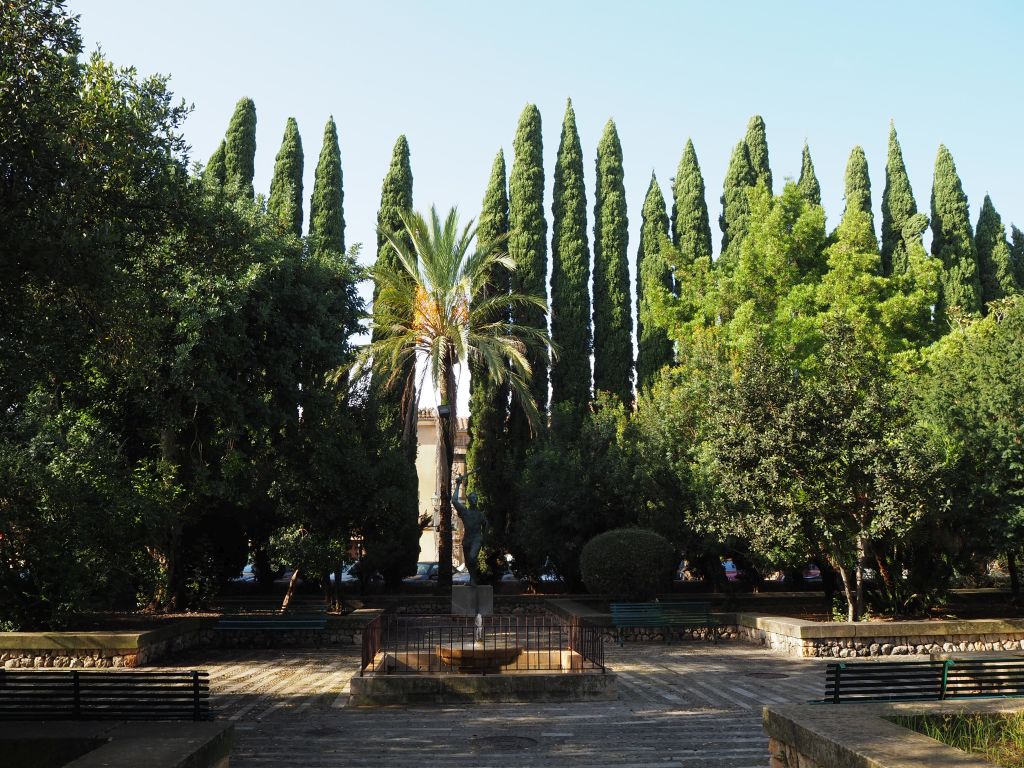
(454, 76)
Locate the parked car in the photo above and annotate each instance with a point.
(426, 572)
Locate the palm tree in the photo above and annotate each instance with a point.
(434, 308)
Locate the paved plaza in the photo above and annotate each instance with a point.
(685, 704)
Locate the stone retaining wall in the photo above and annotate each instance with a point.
(863, 735)
(796, 637)
(85, 650)
(100, 649)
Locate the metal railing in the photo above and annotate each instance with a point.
(418, 644)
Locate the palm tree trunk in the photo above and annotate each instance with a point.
(445, 458)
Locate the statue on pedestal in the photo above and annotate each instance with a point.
(474, 521)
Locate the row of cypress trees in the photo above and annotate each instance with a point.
(592, 332)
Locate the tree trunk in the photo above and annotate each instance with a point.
(290, 592)
(445, 458)
(850, 590)
(859, 571)
(1011, 566)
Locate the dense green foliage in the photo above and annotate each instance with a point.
(395, 405)
(434, 306)
(953, 241)
(613, 314)
(527, 246)
(995, 262)
(808, 182)
(628, 563)
(180, 390)
(733, 221)
(898, 206)
(215, 172)
(757, 146)
(326, 207)
(858, 200)
(240, 150)
(970, 396)
(691, 229)
(654, 348)
(285, 200)
(487, 456)
(1017, 254)
(570, 283)
(168, 403)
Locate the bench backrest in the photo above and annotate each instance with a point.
(643, 613)
(279, 621)
(102, 695)
(687, 610)
(917, 680)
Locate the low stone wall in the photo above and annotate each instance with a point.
(85, 650)
(862, 735)
(101, 649)
(797, 637)
(655, 635)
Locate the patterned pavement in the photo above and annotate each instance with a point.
(687, 704)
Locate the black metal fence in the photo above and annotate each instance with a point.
(504, 644)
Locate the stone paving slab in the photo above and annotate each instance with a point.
(686, 704)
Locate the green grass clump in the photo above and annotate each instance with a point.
(998, 738)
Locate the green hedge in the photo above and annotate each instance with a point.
(628, 564)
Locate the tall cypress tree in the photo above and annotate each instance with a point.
(858, 198)
(757, 145)
(654, 347)
(1017, 254)
(240, 150)
(285, 201)
(527, 247)
(953, 240)
(396, 407)
(735, 218)
(570, 281)
(488, 401)
(995, 262)
(808, 184)
(215, 172)
(326, 207)
(613, 320)
(898, 206)
(691, 229)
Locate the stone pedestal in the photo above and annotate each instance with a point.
(469, 600)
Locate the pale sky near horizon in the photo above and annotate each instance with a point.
(454, 77)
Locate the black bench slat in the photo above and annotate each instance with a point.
(921, 680)
(85, 694)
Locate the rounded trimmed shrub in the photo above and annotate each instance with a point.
(628, 564)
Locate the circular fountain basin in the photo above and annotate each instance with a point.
(477, 659)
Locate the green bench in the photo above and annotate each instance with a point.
(271, 621)
(665, 616)
(924, 680)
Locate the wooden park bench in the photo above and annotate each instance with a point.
(71, 694)
(924, 680)
(665, 616)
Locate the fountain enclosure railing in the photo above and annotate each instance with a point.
(501, 644)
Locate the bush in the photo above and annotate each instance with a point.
(628, 564)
